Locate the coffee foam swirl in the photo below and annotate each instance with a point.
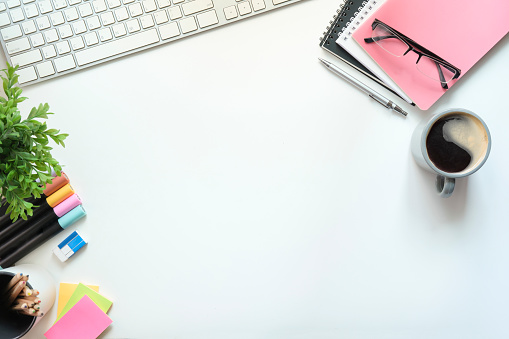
(467, 133)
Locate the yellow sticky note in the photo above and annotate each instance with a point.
(65, 292)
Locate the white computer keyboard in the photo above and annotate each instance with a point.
(48, 38)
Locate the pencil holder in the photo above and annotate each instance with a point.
(13, 324)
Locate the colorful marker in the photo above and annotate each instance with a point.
(47, 232)
(56, 184)
(45, 206)
(28, 230)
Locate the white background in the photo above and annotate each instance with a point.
(237, 189)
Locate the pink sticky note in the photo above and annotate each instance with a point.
(85, 320)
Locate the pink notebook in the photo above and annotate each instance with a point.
(459, 31)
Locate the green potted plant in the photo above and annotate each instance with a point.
(25, 154)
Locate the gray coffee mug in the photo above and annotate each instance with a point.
(441, 144)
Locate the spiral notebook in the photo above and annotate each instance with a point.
(344, 14)
(345, 41)
(459, 31)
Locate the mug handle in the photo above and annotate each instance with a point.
(445, 186)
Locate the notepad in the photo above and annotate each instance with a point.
(103, 303)
(65, 291)
(351, 46)
(459, 31)
(85, 320)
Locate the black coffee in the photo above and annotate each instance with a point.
(447, 155)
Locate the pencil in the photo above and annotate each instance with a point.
(31, 299)
(26, 291)
(13, 281)
(14, 292)
(29, 302)
(35, 292)
(21, 306)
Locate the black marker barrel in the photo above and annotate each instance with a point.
(45, 206)
(56, 184)
(44, 234)
(30, 230)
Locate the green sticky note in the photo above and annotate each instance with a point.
(82, 290)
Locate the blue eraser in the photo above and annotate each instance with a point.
(72, 244)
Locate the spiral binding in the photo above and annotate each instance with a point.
(357, 19)
(324, 38)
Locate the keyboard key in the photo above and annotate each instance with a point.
(93, 22)
(49, 51)
(121, 14)
(28, 27)
(77, 43)
(45, 6)
(133, 25)
(63, 47)
(11, 32)
(114, 3)
(107, 18)
(175, 12)
(31, 11)
(149, 6)
(74, 2)
(45, 69)
(59, 4)
(79, 27)
(196, 6)
(125, 2)
(177, 1)
(57, 18)
(99, 6)
(116, 47)
(64, 63)
(163, 3)
(13, 3)
(277, 2)
(71, 14)
(17, 15)
(85, 10)
(105, 34)
(169, 31)
(4, 19)
(135, 9)
(17, 46)
(65, 31)
(37, 40)
(43, 23)
(161, 17)
(91, 39)
(230, 12)
(207, 19)
(3, 7)
(119, 30)
(258, 5)
(28, 1)
(26, 74)
(51, 35)
(244, 8)
(26, 58)
(188, 25)
(147, 21)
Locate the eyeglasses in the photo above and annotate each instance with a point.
(397, 44)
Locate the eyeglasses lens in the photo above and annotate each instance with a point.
(434, 70)
(388, 41)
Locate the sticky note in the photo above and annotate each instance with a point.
(65, 292)
(82, 290)
(85, 320)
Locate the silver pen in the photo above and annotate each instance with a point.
(372, 93)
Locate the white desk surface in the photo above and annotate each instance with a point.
(237, 189)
